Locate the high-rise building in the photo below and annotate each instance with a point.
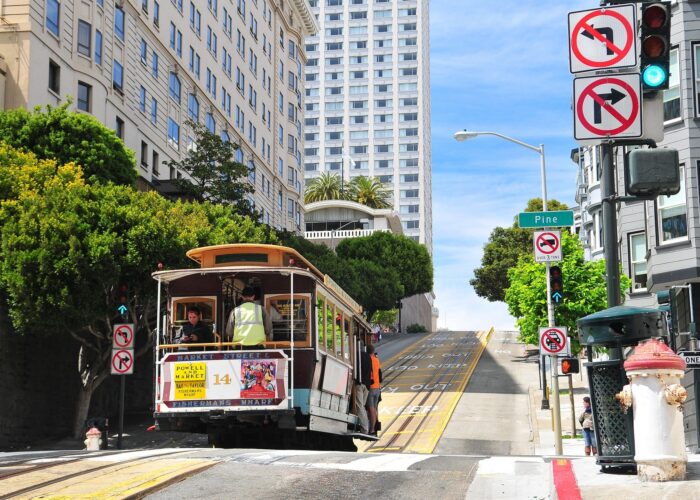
(367, 108)
(143, 67)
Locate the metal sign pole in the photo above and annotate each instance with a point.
(122, 390)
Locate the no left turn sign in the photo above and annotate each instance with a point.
(547, 246)
(123, 336)
(122, 362)
(603, 38)
(554, 341)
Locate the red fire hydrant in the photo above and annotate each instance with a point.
(93, 439)
(656, 396)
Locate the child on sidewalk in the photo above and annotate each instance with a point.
(586, 421)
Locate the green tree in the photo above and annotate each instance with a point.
(386, 318)
(66, 136)
(502, 251)
(213, 174)
(585, 291)
(326, 186)
(369, 191)
(408, 258)
(66, 245)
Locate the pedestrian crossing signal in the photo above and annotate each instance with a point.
(569, 366)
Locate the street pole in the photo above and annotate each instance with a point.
(612, 262)
(550, 323)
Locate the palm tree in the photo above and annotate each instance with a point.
(370, 192)
(324, 187)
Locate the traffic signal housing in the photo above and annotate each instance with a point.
(652, 172)
(556, 285)
(569, 366)
(655, 45)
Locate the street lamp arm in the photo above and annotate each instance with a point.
(510, 139)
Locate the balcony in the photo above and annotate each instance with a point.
(340, 235)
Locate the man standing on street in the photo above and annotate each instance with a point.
(375, 391)
(362, 383)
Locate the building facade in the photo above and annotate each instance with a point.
(143, 67)
(367, 108)
(659, 240)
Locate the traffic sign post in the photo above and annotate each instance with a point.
(560, 218)
(122, 363)
(547, 246)
(603, 38)
(607, 107)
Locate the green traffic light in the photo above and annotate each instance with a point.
(654, 76)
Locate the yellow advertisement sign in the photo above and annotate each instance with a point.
(190, 372)
(190, 390)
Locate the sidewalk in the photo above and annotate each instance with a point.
(573, 475)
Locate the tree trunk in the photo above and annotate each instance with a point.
(82, 406)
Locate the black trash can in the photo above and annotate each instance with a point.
(102, 424)
(616, 329)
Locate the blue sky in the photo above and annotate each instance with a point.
(500, 66)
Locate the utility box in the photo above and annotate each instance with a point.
(652, 172)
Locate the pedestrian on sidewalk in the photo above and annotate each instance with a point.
(586, 421)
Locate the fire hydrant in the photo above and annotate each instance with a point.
(656, 397)
(93, 439)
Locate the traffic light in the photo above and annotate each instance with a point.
(655, 45)
(121, 298)
(556, 285)
(569, 366)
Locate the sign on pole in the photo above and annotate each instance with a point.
(554, 341)
(559, 218)
(607, 107)
(603, 38)
(691, 358)
(123, 336)
(122, 362)
(547, 246)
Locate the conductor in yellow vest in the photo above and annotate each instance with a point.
(248, 322)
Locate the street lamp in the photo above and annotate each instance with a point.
(463, 135)
(333, 231)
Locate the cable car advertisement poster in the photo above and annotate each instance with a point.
(224, 380)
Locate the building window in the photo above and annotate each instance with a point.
(84, 96)
(119, 23)
(142, 99)
(174, 87)
(144, 155)
(156, 14)
(118, 77)
(84, 38)
(173, 133)
(154, 65)
(119, 128)
(696, 80)
(672, 96)
(98, 47)
(53, 15)
(54, 77)
(193, 107)
(638, 262)
(155, 160)
(673, 214)
(154, 111)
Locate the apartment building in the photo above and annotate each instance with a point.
(367, 108)
(659, 240)
(143, 67)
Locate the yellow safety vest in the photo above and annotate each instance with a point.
(248, 328)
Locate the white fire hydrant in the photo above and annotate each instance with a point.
(93, 439)
(656, 397)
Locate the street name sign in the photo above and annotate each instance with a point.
(603, 38)
(607, 107)
(547, 246)
(554, 341)
(691, 358)
(560, 218)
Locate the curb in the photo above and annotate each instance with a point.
(564, 482)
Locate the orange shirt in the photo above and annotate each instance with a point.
(375, 372)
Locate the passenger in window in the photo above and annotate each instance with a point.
(195, 331)
(248, 323)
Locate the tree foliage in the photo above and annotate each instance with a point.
(213, 174)
(502, 251)
(66, 136)
(585, 291)
(369, 191)
(326, 186)
(385, 318)
(409, 258)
